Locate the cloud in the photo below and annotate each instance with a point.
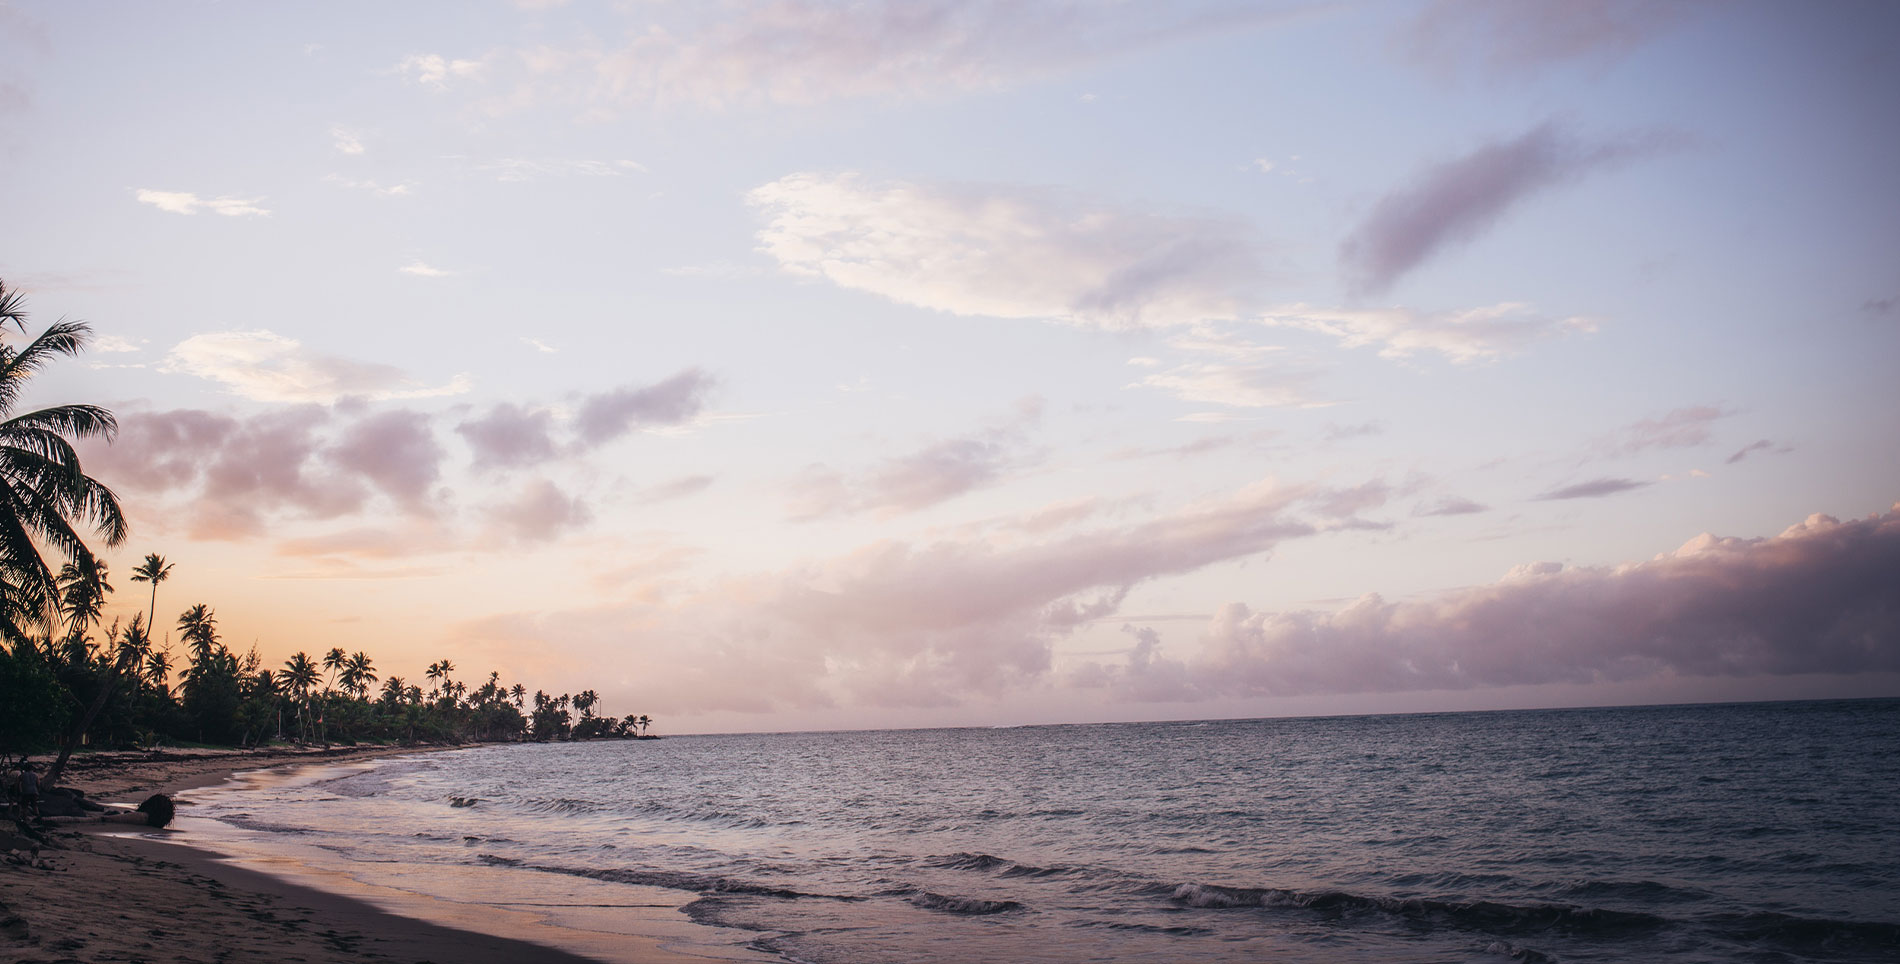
(346, 141)
(421, 270)
(1761, 445)
(533, 169)
(230, 477)
(373, 187)
(1505, 37)
(673, 402)
(435, 71)
(1450, 505)
(1335, 432)
(1462, 337)
(540, 346)
(1682, 428)
(1818, 598)
(396, 451)
(1258, 385)
(1593, 489)
(268, 367)
(540, 512)
(1460, 199)
(1879, 306)
(798, 52)
(678, 488)
(510, 437)
(1006, 252)
(936, 473)
(115, 344)
(181, 202)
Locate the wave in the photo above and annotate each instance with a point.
(1805, 936)
(1425, 913)
(669, 879)
(966, 906)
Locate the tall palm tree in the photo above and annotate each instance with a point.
(46, 498)
(153, 570)
(519, 692)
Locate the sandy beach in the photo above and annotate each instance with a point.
(93, 894)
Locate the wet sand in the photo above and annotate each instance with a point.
(107, 892)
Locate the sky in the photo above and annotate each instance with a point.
(792, 365)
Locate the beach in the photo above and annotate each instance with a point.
(99, 894)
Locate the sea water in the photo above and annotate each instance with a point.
(1745, 832)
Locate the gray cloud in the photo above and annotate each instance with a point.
(1595, 488)
(1682, 428)
(510, 437)
(1450, 505)
(1458, 200)
(1763, 445)
(396, 451)
(1818, 598)
(1508, 37)
(675, 401)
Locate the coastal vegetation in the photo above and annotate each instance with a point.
(65, 681)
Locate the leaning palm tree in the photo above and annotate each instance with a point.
(46, 499)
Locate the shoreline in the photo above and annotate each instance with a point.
(107, 892)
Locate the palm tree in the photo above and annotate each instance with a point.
(46, 498)
(520, 693)
(358, 674)
(153, 570)
(82, 592)
(334, 661)
(198, 627)
(299, 675)
(158, 667)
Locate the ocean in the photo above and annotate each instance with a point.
(1765, 832)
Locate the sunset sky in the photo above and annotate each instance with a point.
(795, 365)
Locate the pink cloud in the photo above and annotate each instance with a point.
(1821, 597)
(539, 512)
(234, 474)
(903, 624)
(938, 472)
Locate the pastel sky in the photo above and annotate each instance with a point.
(792, 364)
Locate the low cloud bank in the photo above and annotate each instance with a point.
(1821, 597)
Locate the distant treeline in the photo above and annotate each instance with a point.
(49, 685)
